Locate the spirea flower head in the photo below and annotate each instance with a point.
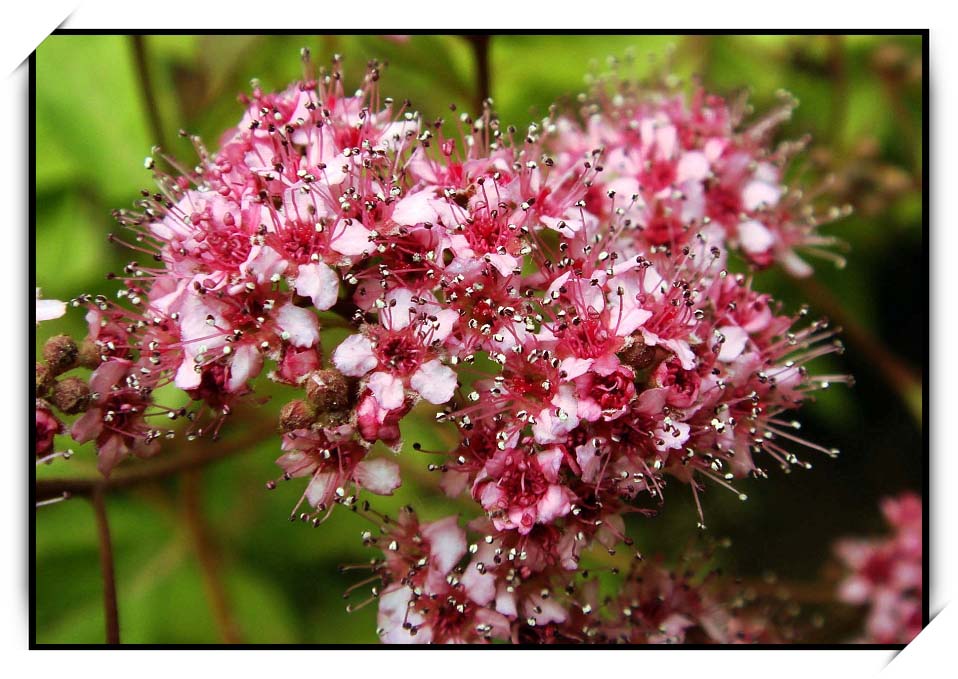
(676, 164)
(561, 295)
(433, 586)
(885, 574)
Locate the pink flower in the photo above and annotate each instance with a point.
(334, 461)
(886, 574)
(401, 353)
(519, 489)
(115, 419)
(47, 426)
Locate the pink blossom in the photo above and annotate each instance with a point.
(886, 573)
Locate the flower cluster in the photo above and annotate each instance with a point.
(681, 165)
(562, 296)
(438, 588)
(886, 573)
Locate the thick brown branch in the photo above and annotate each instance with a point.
(110, 609)
(148, 472)
(480, 52)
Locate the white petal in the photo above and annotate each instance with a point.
(388, 390)
(378, 476)
(301, 325)
(351, 238)
(754, 237)
(48, 309)
(734, 344)
(354, 356)
(318, 282)
(447, 542)
(758, 193)
(263, 263)
(246, 364)
(692, 165)
(434, 381)
(319, 489)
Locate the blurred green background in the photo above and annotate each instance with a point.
(262, 579)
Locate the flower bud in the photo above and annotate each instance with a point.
(327, 390)
(296, 414)
(43, 379)
(640, 356)
(71, 395)
(61, 354)
(89, 356)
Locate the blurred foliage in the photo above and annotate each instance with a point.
(861, 101)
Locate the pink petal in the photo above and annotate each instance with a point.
(550, 461)
(553, 504)
(504, 264)
(480, 585)
(574, 367)
(506, 602)
(394, 612)
(110, 453)
(673, 437)
(88, 426)
(187, 376)
(453, 483)
(108, 374)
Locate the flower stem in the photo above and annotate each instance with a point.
(147, 90)
(110, 608)
(480, 52)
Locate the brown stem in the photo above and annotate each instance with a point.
(893, 85)
(207, 556)
(838, 73)
(147, 90)
(147, 472)
(480, 52)
(110, 609)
